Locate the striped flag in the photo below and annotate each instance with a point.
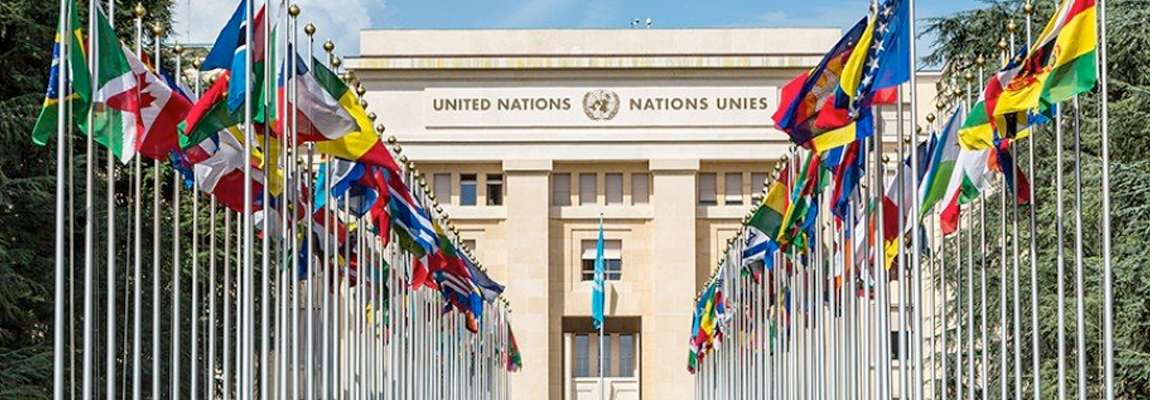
(1061, 63)
(78, 84)
(325, 106)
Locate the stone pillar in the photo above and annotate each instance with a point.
(536, 322)
(666, 325)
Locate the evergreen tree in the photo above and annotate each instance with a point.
(959, 39)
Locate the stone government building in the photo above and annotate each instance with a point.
(529, 136)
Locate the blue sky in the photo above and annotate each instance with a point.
(341, 20)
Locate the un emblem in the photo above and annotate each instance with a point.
(601, 105)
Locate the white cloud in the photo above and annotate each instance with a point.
(339, 21)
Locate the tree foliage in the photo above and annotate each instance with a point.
(961, 38)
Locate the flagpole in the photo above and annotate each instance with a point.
(228, 294)
(137, 232)
(211, 366)
(157, 302)
(309, 222)
(196, 313)
(62, 165)
(603, 289)
(980, 61)
(176, 272)
(1107, 272)
(248, 324)
(89, 225)
(1079, 286)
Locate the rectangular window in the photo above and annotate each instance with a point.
(640, 189)
(707, 189)
(758, 183)
(467, 189)
(443, 188)
(588, 189)
(582, 356)
(733, 189)
(612, 260)
(494, 189)
(561, 189)
(626, 356)
(614, 189)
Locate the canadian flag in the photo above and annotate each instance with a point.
(156, 108)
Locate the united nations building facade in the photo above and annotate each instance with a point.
(530, 137)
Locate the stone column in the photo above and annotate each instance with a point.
(666, 325)
(536, 321)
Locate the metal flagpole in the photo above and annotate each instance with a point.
(1061, 284)
(981, 61)
(176, 271)
(292, 211)
(309, 223)
(246, 309)
(196, 312)
(110, 271)
(137, 236)
(266, 212)
(971, 377)
(62, 165)
(211, 366)
(1036, 358)
(157, 302)
(1107, 273)
(1011, 27)
(228, 333)
(1079, 284)
(89, 216)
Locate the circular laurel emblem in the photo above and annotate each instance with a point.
(601, 105)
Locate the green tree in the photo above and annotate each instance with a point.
(960, 39)
(27, 192)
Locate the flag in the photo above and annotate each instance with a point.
(514, 358)
(230, 52)
(846, 178)
(973, 168)
(218, 164)
(1060, 64)
(803, 98)
(768, 218)
(412, 220)
(756, 253)
(800, 201)
(982, 127)
(210, 114)
(941, 166)
(161, 110)
(597, 289)
(78, 85)
(489, 288)
(882, 60)
(361, 145)
(325, 105)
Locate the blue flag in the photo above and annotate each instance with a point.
(597, 294)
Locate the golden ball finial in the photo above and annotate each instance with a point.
(379, 129)
(885, 159)
(398, 148)
(918, 129)
(371, 116)
(939, 106)
(309, 29)
(1011, 26)
(411, 165)
(293, 11)
(196, 63)
(785, 157)
(906, 140)
(930, 118)
(139, 11)
(363, 103)
(1002, 44)
(390, 139)
(158, 29)
(360, 90)
(328, 46)
(403, 159)
(980, 60)
(335, 62)
(1028, 8)
(178, 49)
(968, 76)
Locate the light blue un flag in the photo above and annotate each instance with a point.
(597, 295)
